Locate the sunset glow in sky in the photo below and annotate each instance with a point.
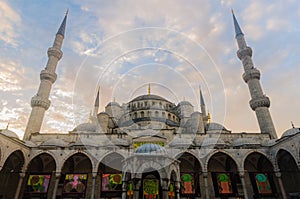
(175, 45)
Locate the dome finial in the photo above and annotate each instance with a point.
(208, 117)
(292, 124)
(149, 89)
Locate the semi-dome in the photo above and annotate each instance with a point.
(113, 104)
(184, 103)
(91, 127)
(290, 132)
(149, 97)
(216, 128)
(54, 142)
(150, 148)
(9, 133)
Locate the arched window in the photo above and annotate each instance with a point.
(156, 114)
(142, 114)
(169, 116)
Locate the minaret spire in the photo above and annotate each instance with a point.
(202, 104)
(259, 102)
(96, 105)
(40, 102)
(62, 28)
(238, 30)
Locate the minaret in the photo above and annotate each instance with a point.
(259, 102)
(40, 102)
(96, 105)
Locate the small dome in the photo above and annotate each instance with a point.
(9, 133)
(216, 128)
(290, 132)
(91, 127)
(54, 142)
(150, 148)
(184, 103)
(113, 104)
(245, 141)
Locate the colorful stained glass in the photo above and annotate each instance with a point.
(262, 183)
(150, 189)
(171, 192)
(112, 182)
(130, 190)
(38, 183)
(224, 183)
(187, 183)
(75, 183)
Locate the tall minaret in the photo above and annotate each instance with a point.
(40, 102)
(259, 102)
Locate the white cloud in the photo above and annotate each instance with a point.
(10, 21)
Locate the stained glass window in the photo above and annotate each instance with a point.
(75, 183)
(224, 183)
(130, 190)
(171, 192)
(111, 182)
(38, 183)
(263, 183)
(150, 189)
(187, 183)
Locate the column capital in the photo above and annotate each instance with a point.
(94, 174)
(22, 174)
(277, 174)
(57, 174)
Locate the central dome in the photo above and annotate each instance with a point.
(149, 97)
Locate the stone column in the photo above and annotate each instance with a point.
(57, 177)
(205, 176)
(93, 185)
(124, 189)
(177, 189)
(242, 177)
(282, 190)
(22, 175)
(136, 188)
(165, 188)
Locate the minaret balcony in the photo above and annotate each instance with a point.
(46, 75)
(260, 102)
(253, 73)
(241, 53)
(55, 52)
(40, 102)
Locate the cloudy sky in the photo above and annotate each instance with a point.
(175, 45)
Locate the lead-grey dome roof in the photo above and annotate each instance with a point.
(150, 148)
(290, 132)
(9, 133)
(149, 97)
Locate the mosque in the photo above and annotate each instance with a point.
(150, 148)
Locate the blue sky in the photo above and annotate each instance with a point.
(174, 45)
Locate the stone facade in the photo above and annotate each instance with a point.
(150, 148)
